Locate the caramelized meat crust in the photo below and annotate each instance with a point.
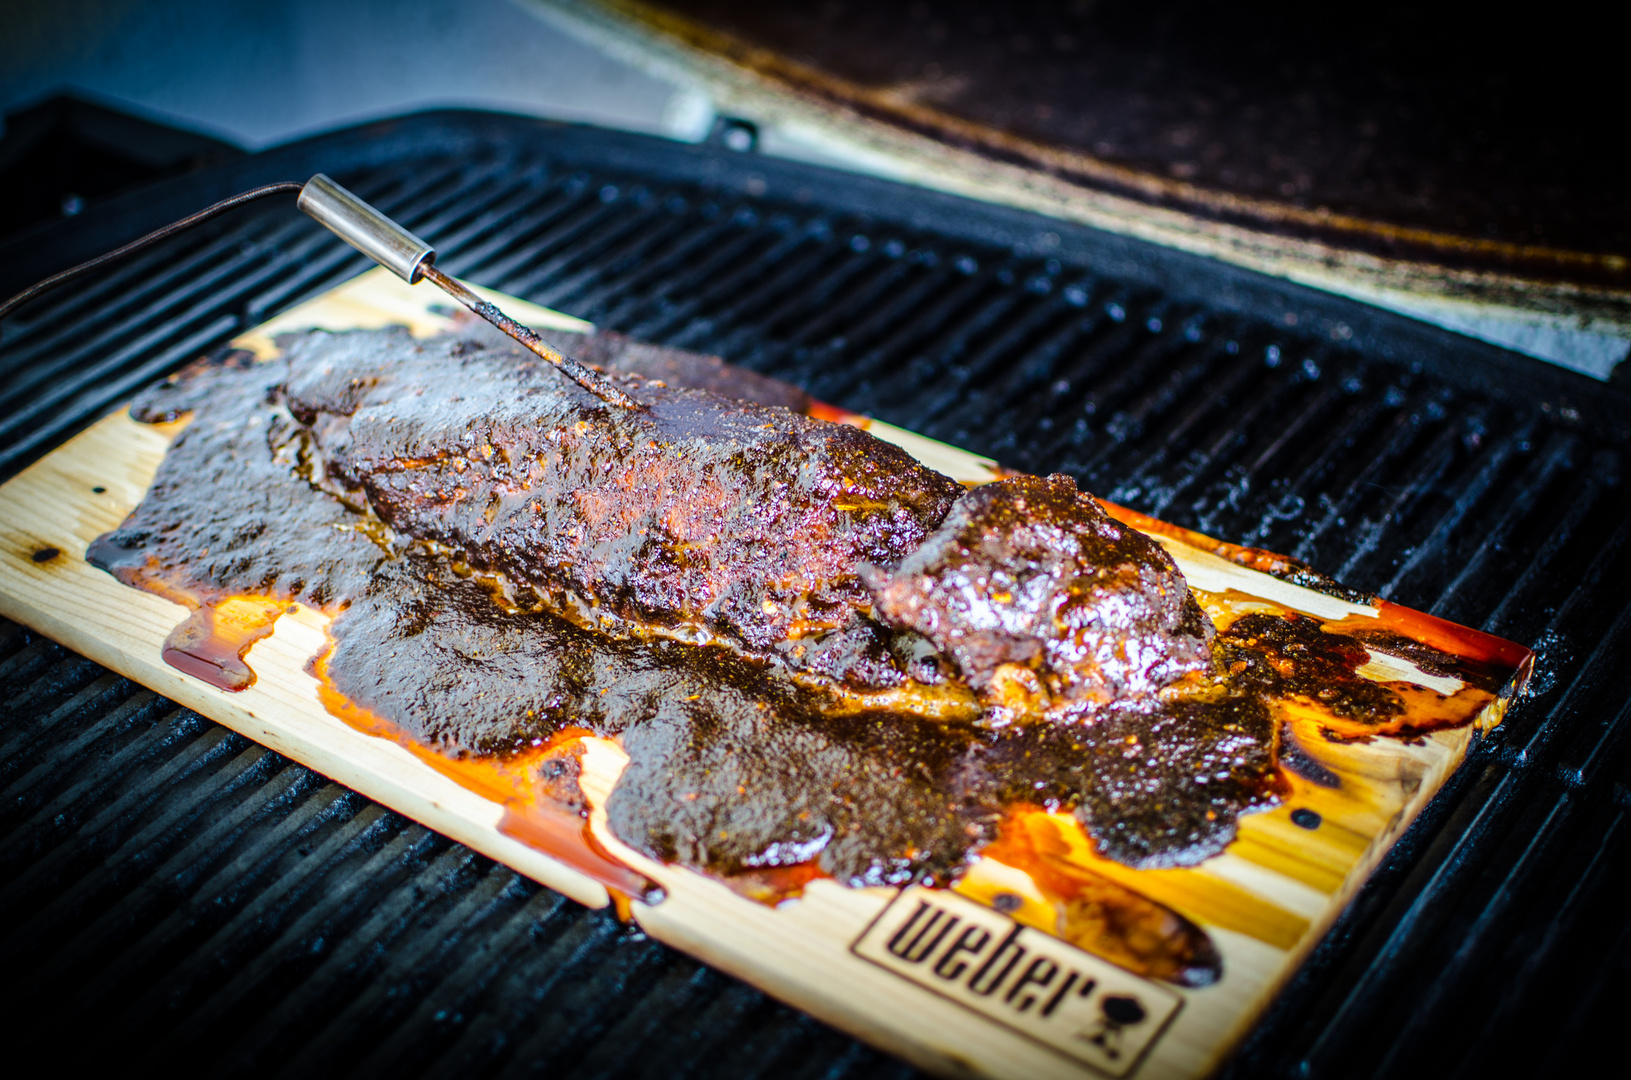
(732, 767)
(698, 515)
(1155, 787)
(735, 767)
(1034, 591)
(225, 513)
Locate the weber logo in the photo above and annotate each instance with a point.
(1077, 1004)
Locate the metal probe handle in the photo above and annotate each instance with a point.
(366, 229)
(412, 260)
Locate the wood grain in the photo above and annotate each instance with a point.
(1264, 902)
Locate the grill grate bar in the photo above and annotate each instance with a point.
(61, 342)
(1587, 887)
(876, 325)
(779, 336)
(1589, 751)
(557, 279)
(426, 867)
(567, 945)
(1286, 525)
(381, 1002)
(253, 784)
(284, 810)
(1471, 951)
(1144, 469)
(644, 293)
(937, 361)
(1377, 447)
(518, 271)
(1540, 474)
(968, 379)
(713, 280)
(1593, 675)
(1545, 566)
(865, 302)
(1412, 935)
(1387, 515)
(859, 308)
(1228, 436)
(799, 258)
(74, 412)
(203, 747)
(599, 290)
(51, 810)
(508, 221)
(1434, 550)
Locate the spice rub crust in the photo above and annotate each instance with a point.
(1045, 603)
(698, 515)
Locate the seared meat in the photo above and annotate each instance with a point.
(368, 473)
(698, 516)
(1039, 597)
(610, 351)
(220, 518)
(732, 766)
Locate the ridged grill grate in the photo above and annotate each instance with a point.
(211, 898)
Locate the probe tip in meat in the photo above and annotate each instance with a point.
(585, 377)
(413, 260)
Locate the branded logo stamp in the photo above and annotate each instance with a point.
(1027, 980)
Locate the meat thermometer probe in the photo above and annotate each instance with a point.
(413, 260)
(373, 234)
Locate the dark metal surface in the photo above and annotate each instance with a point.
(1387, 120)
(64, 154)
(183, 896)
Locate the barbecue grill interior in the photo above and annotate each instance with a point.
(1424, 467)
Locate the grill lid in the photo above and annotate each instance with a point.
(1431, 162)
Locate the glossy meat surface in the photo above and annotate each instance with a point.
(611, 351)
(733, 767)
(227, 512)
(698, 516)
(1043, 601)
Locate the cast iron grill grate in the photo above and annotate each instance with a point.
(212, 901)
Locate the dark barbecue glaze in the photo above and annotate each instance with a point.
(1292, 657)
(1155, 787)
(611, 351)
(698, 514)
(732, 768)
(1034, 591)
(736, 766)
(228, 513)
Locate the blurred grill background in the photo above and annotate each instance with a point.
(175, 899)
